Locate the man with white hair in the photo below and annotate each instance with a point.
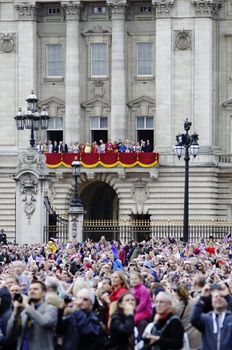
(81, 329)
(166, 331)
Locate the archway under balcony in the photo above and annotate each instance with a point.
(100, 202)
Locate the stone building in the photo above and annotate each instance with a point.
(120, 69)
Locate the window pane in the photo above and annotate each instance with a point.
(51, 123)
(59, 123)
(149, 123)
(54, 60)
(144, 58)
(140, 123)
(94, 123)
(99, 59)
(103, 123)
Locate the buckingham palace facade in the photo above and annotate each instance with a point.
(120, 69)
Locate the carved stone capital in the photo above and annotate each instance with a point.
(163, 7)
(7, 42)
(26, 10)
(183, 39)
(29, 190)
(207, 7)
(71, 9)
(117, 6)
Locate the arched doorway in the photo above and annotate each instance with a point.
(100, 202)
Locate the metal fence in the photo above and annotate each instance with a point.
(144, 229)
(58, 231)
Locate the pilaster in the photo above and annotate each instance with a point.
(72, 77)
(27, 56)
(118, 74)
(163, 74)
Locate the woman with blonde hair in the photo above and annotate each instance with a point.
(184, 308)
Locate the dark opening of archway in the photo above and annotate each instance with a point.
(100, 202)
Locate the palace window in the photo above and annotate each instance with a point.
(145, 9)
(54, 60)
(97, 123)
(144, 59)
(144, 123)
(99, 66)
(99, 10)
(54, 11)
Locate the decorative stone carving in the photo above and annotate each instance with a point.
(207, 7)
(71, 9)
(32, 159)
(183, 39)
(99, 90)
(140, 192)
(97, 29)
(117, 6)
(7, 42)
(29, 189)
(26, 10)
(163, 7)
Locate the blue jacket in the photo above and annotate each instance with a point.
(222, 339)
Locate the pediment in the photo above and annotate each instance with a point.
(96, 29)
(96, 102)
(141, 101)
(54, 105)
(227, 104)
(52, 100)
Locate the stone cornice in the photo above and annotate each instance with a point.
(26, 10)
(71, 9)
(207, 7)
(117, 6)
(163, 7)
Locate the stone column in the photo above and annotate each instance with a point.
(27, 54)
(31, 185)
(118, 75)
(72, 72)
(206, 12)
(163, 139)
(75, 227)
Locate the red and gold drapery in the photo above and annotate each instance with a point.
(106, 160)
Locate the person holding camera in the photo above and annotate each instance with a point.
(33, 322)
(167, 331)
(215, 325)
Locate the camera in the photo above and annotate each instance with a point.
(67, 299)
(18, 297)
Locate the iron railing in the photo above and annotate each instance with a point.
(144, 229)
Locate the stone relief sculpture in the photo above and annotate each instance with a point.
(163, 6)
(7, 42)
(29, 189)
(183, 39)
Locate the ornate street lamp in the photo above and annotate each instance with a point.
(32, 119)
(184, 142)
(76, 202)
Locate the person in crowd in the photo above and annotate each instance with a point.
(76, 148)
(184, 308)
(148, 147)
(102, 147)
(6, 343)
(3, 239)
(55, 148)
(143, 311)
(122, 327)
(63, 147)
(87, 148)
(33, 322)
(167, 331)
(19, 272)
(81, 329)
(109, 146)
(122, 147)
(50, 146)
(215, 325)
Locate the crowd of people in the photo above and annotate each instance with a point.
(96, 147)
(155, 294)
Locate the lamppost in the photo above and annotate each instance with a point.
(76, 202)
(32, 119)
(184, 142)
(76, 211)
